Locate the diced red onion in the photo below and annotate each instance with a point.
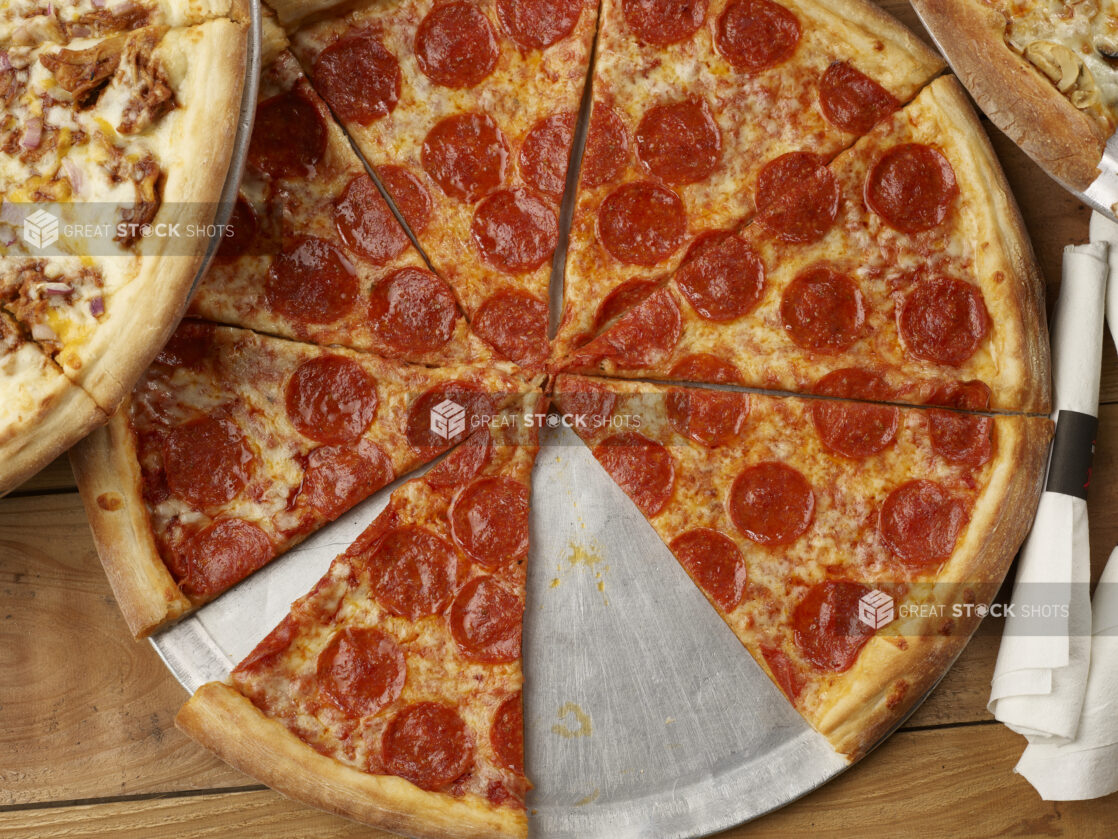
(33, 134)
(73, 173)
(56, 288)
(97, 306)
(5, 62)
(98, 4)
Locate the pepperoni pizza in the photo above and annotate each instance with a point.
(316, 252)
(904, 256)
(469, 108)
(392, 691)
(234, 446)
(775, 195)
(688, 108)
(824, 501)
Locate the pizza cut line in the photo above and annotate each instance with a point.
(844, 309)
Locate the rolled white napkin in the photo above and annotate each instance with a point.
(1087, 767)
(1041, 672)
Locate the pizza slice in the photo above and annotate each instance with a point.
(918, 271)
(234, 446)
(691, 102)
(26, 22)
(112, 162)
(42, 412)
(391, 693)
(1046, 73)
(787, 511)
(468, 109)
(315, 251)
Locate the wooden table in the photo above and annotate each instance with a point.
(88, 748)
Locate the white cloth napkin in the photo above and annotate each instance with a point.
(1087, 767)
(1041, 672)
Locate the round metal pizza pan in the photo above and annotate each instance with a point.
(644, 715)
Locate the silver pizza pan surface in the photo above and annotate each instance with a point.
(644, 715)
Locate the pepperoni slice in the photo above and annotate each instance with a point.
(641, 467)
(642, 223)
(643, 336)
(536, 24)
(962, 438)
(798, 197)
(704, 367)
(207, 461)
(311, 282)
(515, 230)
(462, 464)
(710, 417)
(189, 345)
(852, 100)
(715, 563)
(771, 503)
(912, 186)
(224, 554)
(663, 22)
(919, 524)
(331, 399)
(823, 310)
(854, 429)
(413, 572)
(507, 734)
(366, 224)
(680, 143)
(826, 627)
(607, 147)
(754, 35)
(338, 477)
(485, 621)
(489, 521)
(428, 744)
(361, 670)
(516, 324)
(430, 431)
(413, 310)
(455, 45)
(358, 77)
(722, 277)
(545, 152)
(467, 155)
(408, 194)
(589, 405)
(784, 672)
(943, 320)
(240, 233)
(289, 136)
(621, 299)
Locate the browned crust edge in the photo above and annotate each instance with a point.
(1018, 99)
(1005, 226)
(107, 469)
(875, 19)
(146, 311)
(238, 732)
(887, 681)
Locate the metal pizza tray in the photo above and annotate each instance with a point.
(644, 715)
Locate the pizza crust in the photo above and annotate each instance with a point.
(207, 65)
(893, 673)
(107, 471)
(1025, 362)
(228, 724)
(1024, 104)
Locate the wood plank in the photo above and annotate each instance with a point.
(887, 795)
(86, 711)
